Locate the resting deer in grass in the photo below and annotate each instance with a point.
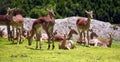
(61, 36)
(84, 40)
(84, 25)
(1, 32)
(47, 23)
(16, 20)
(103, 42)
(66, 43)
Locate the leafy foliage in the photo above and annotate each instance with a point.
(105, 10)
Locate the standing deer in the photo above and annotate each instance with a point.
(5, 20)
(66, 43)
(84, 25)
(47, 23)
(16, 21)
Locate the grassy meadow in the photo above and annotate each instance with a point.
(24, 53)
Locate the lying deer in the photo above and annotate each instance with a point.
(46, 23)
(66, 43)
(84, 40)
(61, 36)
(103, 42)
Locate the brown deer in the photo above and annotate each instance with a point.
(58, 37)
(47, 23)
(5, 20)
(66, 43)
(84, 25)
(84, 40)
(16, 22)
(103, 42)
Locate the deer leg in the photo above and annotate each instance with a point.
(84, 38)
(40, 39)
(17, 36)
(68, 47)
(53, 41)
(20, 32)
(8, 31)
(36, 44)
(12, 34)
(80, 39)
(48, 42)
(40, 43)
(22, 37)
(88, 37)
(80, 36)
(96, 43)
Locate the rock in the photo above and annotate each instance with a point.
(61, 25)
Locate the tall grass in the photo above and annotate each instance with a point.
(24, 53)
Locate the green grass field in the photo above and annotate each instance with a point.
(24, 53)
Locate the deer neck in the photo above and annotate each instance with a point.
(51, 16)
(110, 41)
(64, 41)
(69, 35)
(10, 16)
(88, 21)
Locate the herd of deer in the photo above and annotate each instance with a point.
(14, 18)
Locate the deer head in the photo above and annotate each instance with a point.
(72, 30)
(51, 12)
(10, 11)
(90, 14)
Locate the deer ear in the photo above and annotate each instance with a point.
(86, 11)
(91, 11)
(8, 8)
(51, 9)
(14, 8)
(47, 9)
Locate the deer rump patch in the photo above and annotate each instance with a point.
(18, 18)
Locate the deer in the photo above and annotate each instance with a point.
(103, 42)
(5, 20)
(83, 24)
(84, 40)
(16, 22)
(59, 37)
(66, 43)
(46, 23)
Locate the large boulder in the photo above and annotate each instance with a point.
(61, 25)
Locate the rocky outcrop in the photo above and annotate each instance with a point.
(101, 28)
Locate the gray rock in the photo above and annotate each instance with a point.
(61, 25)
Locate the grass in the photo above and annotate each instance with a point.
(24, 53)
